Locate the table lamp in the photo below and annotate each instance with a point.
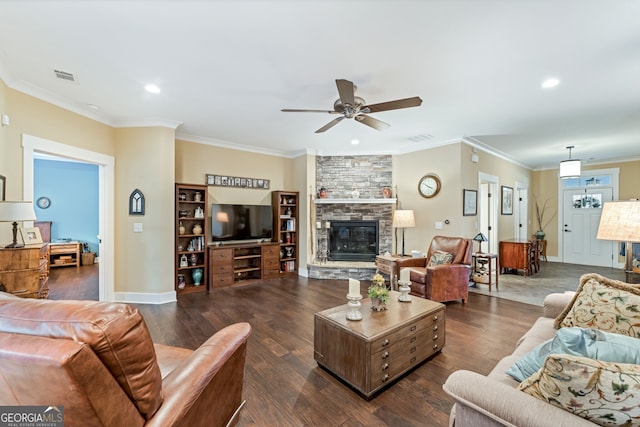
(621, 221)
(480, 238)
(403, 219)
(14, 212)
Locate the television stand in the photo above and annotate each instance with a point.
(243, 263)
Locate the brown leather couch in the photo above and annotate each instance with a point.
(98, 361)
(445, 282)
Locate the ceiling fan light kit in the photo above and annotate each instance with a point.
(354, 107)
(570, 168)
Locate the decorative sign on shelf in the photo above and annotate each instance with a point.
(237, 182)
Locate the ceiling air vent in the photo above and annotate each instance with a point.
(63, 75)
(420, 138)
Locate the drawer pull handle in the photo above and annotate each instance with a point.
(435, 317)
(413, 360)
(385, 377)
(413, 350)
(413, 339)
(435, 328)
(435, 346)
(19, 291)
(435, 337)
(385, 366)
(413, 328)
(385, 343)
(385, 354)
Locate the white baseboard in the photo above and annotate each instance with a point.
(145, 298)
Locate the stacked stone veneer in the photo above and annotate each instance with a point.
(340, 175)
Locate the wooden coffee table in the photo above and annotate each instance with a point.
(371, 353)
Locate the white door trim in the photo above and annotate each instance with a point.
(106, 182)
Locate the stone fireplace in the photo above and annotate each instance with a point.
(342, 176)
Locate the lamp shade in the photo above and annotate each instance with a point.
(480, 238)
(16, 211)
(570, 169)
(403, 219)
(620, 221)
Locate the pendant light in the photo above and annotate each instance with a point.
(570, 168)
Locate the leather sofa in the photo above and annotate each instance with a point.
(98, 362)
(444, 282)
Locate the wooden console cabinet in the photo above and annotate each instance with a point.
(240, 264)
(514, 254)
(24, 272)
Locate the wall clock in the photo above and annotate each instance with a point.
(429, 185)
(43, 202)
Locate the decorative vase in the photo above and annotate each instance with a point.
(540, 235)
(181, 281)
(197, 229)
(181, 229)
(386, 192)
(193, 259)
(196, 274)
(377, 304)
(323, 193)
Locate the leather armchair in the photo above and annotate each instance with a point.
(444, 282)
(97, 360)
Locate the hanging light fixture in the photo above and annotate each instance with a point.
(570, 168)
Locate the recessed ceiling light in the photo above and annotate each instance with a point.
(355, 142)
(151, 88)
(549, 83)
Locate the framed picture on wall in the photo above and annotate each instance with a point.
(2, 186)
(507, 200)
(469, 202)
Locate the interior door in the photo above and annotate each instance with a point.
(582, 209)
(521, 210)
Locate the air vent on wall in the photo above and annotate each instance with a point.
(63, 75)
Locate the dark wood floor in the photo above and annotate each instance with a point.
(283, 384)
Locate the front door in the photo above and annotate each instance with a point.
(582, 209)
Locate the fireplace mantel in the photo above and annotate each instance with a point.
(353, 201)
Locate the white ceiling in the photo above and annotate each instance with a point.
(227, 68)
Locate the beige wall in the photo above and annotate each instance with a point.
(145, 161)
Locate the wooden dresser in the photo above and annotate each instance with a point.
(371, 353)
(514, 254)
(24, 272)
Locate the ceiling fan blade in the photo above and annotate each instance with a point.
(394, 105)
(370, 121)
(346, 91)
(329, 125)
(293, 110)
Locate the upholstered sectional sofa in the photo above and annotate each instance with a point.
(568, 390)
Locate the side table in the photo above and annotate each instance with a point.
(387, 264)
(481, 274)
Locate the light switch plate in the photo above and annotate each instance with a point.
(438, 225)
(137, 227)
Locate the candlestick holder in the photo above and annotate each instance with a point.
(404, 289)
(354, 307)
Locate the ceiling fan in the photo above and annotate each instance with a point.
(351, 106)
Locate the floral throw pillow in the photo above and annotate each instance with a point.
(604, 304)
(439, 258)
(605, 393)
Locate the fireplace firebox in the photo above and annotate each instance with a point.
(353, 240)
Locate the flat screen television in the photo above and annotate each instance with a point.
(240, 222)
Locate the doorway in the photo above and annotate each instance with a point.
(488, 210)
(31, 145)
(521, 211)
(580, 201)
